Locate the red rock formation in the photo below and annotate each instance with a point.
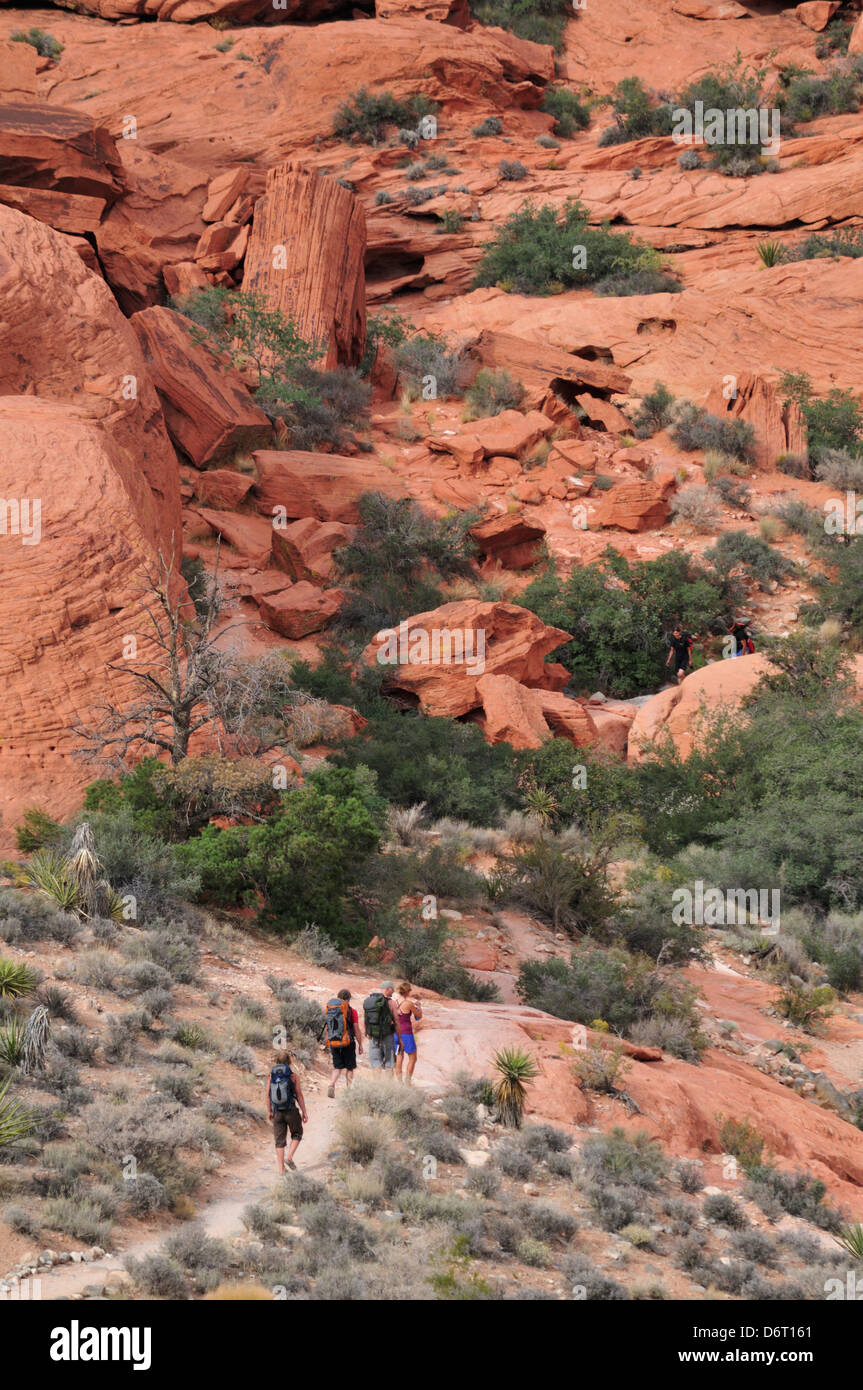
(44, 146)
(537, 365)
(778, 429)
(509, 540)
(187, 11)
(444, 11)
(221, 488)
(305, 257)
(511, 712)
(327, 486)
(250, 536)
(304, 550)
(641, 506)
(207, 407)
(300, 609)
(455, 645)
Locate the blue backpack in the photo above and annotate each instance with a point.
(282, 1094)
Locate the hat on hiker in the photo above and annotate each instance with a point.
(387, 984)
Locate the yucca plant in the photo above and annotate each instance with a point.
(771, 252)
(12, 1042)
(15, 979)
(16, 1121)
(84, 868)
(514, 1068)
(35, 1041)
(851, 1239)
(51, 875)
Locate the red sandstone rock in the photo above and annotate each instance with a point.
(511, 712)
(66, 212)
(778, 429)
(300, 609)
(305, 257)
(207, 406)
(509, 540)
(327, 486)
(250, 536)
(816, 14)
(223, 192)
(17, 71)
(568, 718)
(304, 549)
(484, 638)
(641, 506)
(222, 488)
(537, 365)
(444, 11)
(43, 146)
(222, 245)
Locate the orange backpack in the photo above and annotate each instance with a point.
(338, 1024)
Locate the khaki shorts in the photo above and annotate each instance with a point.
(283, 1122)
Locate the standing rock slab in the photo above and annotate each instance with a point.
(327, 486)
(208, 410)
(306, 258)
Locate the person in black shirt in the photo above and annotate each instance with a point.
(681, 652)
(739, 630)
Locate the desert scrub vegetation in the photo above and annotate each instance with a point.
(314, 406)
(44, 43)
(428, 367)
(569, 113)
(834, 421)
(365, 116)
(545, 250)
(542, 21)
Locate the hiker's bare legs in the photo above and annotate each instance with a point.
(412, 1061)
(294, 1145)
(280, 1161)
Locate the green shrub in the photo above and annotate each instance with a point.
(427, 364)
(396, 562)
(695, 428)
(36, 830)
(833, 422)
(534, 251)
(840, 469)
(805, 97)
(568, 112)
(636, 114)
(512, 170)
(541, 21)
(423, 954)
(620, 1157)
(45, 44)
(492, 125)
(493, 392)
(654, 412)
(619, 614)
(646, 281)
(365, 115)
(797, 1194)
(564, 884)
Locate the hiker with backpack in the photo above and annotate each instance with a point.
(681, 652)
(406, 1010)
(381, 1027)
(743, 643)
(343, 1036)
(286, 1109)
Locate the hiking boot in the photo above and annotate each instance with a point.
(331, 1092)
(292, 1165)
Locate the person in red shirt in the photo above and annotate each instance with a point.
(345, 1058)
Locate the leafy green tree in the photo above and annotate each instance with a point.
(620, 615)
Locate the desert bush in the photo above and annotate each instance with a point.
(44, 43)
(74, 1042)
(648, 280)
(833, 422)
(696, 505)
(586, 1282)
(541, 21)
(533, 253)
(655, 411)
(797, 1194)
(511, 1161)
(722, 1208)
(77, 1216)
(159, 1276)
(493, 392)
(425, 356)
(362, 1137)
(492, 125)
(569, 113)
(512, 170)
(365, 115)
(695, 428)
(840, 469)
(482, 1182)
(614, 1157)
(803, 97)
(689, 159)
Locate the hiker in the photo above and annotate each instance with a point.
(284, 1096)
(744, 644)
(381, 1028)
(406, 1010)
(343, 1037)
(681, 651)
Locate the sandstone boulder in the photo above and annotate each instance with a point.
(304, 549)
(509, 540)
(326, 486)
(511, 712)
(249, 535)
(222, 488)
(440, 656)
(568, 718)
(817, 14)
(444, 11)
(538, 365)
(305, 257)
(208, 409)
(301, 609)
(44, 146)
(641, 506)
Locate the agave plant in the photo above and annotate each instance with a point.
(84, 868)
(514, 1068)
(851, 1239)
(12, 1042)
(16, 1121)
(15, 979)
(51, 875)
(771, 252)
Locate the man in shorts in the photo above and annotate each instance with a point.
(290, 1118)
(344, 1059)
(680, 652)
(381, 1037)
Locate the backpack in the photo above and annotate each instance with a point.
(379, 1020)
(338, 1024)
(282, 1093)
